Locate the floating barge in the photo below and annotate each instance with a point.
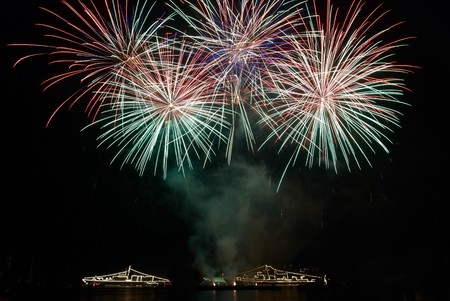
(127, 278)
(267, 275)
(264, 277)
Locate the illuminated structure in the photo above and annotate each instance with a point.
(266, 275)
(127, 278)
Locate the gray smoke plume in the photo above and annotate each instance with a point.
(238, 220)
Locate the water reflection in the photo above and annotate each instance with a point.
(285, 294)
(124, 295)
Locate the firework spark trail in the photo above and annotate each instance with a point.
(169, 108)
(328, 88)
(336, 92)
(97, 47)
(240, 37)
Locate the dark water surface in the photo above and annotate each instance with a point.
(284, 294)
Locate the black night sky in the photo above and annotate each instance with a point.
(67, 211)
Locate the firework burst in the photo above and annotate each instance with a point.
(327, 88)
(239, 39)
(337, 89)
(168, 110)
(97, 46)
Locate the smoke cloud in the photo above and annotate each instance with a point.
(238, 221)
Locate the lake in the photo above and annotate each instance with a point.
(281, 294)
